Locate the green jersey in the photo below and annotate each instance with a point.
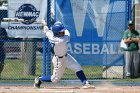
(131, 34)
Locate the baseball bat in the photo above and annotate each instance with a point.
(19, 20)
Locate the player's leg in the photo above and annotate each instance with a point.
(136, 63)
(59, 67)
(128, 60)
(76, 67)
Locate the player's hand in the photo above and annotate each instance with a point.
(44, 23)
(129, 40)
(45, 29)
(48, 32)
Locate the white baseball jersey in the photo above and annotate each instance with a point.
(61, 58)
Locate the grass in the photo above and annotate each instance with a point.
(137, 80)
(14, 69)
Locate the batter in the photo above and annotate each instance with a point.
(59, 37)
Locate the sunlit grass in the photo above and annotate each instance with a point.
(14, 72)
(14, 69)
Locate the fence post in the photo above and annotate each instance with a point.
(48, 43)
(44, 57)
(30, 58)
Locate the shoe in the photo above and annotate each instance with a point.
(37, 82)
(88, 86)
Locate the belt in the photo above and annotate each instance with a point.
(61, 56)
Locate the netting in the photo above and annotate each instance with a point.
(96, 27)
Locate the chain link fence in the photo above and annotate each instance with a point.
(24, 60)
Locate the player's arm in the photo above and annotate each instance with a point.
(136, 40)
(49, 33)
(67, 32)
(127, 40)
(130, 40)
(46, 30)
(50, 36)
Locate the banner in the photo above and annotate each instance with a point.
(96, 28)
(30, 11)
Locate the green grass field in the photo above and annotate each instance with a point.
(14, 70)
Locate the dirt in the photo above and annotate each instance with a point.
(70, 89)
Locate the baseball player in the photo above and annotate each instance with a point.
(59, 37)
(131, 37)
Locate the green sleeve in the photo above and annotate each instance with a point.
(125, 35)
(137, 36)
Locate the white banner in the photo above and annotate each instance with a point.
(28, 10)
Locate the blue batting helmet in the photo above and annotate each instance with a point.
(58, 27)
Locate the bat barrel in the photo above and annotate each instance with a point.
(18, 20)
